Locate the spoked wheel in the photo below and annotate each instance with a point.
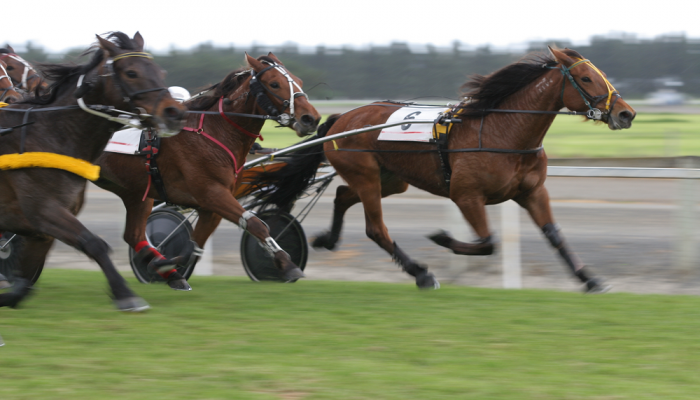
(165, 223)
(288, 233)
(10, 246)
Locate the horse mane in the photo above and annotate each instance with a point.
(228, 85)
(5, 51)
(64, 75)
(488, 91)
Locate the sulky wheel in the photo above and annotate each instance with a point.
(161, 224)
(288, 233)
(10, 246)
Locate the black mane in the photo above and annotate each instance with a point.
(228, 85)
(5, 51)
(489, 91)
(64, 76)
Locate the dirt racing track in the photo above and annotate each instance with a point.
(625, 229)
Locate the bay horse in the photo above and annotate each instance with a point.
(57, 135)
(8, 94)
(495, 154)
(201, 167)
(23, 75)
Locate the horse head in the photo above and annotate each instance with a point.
(279, 93)
(7, 90)
(589, 90)
(23, 75)
(131, 79)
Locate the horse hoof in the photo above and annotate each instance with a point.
(596, 286)
(22, 289)
(427, 281)
(323, 241)
(293, 275)
(131, 304)
(179, 284)
(441, 238)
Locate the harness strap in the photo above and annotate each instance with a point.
(235, 125)
(200, 131)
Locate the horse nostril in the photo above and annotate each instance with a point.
(626, 116)
(173, 113)
(308, 120)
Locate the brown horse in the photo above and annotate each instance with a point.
(492, 156)
(23, 75)
(8, 94)
(201, 166)
(40, 204)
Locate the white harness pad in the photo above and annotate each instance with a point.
(411, 132)
(125, 141)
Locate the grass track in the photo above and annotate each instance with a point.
(234, 339)
(651, 135)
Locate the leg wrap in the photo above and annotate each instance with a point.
(272, 247)
(551, 232)
(406, 263)
(243, 221)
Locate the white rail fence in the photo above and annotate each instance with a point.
(686, 203)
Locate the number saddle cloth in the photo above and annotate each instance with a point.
(409, 132)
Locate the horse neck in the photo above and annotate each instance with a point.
(521, 130)
(82, 135)
(238, 142)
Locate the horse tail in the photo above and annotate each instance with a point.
(282, 187)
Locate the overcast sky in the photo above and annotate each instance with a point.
(58, 25)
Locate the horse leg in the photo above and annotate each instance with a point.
(137, 212)
(370, 193)
(346, 197)
(207, 222)
(537, 205)
(220, 201)
(474, 212)
(54, 220)
(31, 261)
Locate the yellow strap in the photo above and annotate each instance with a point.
(50, 160)
(126, 55)
(3, 104)
(335, 145)
(608, 85)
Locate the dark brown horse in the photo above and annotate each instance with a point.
(40, 204)
(8, 94)
(23, 75)
(201, 166)
(492, 156)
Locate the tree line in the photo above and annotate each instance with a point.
(397, 71)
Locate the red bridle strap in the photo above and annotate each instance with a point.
(200, 131)
(235, 125)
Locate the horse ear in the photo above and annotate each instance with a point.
(275, 59)
(253, 63)
(138, 39)
(8, 47)
(559, 56)
(108, 46)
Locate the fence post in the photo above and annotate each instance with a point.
(510, 230)
(684, 249)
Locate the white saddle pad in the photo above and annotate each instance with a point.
(125, 141)
(411, 132)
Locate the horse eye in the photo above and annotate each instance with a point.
(275, 85)
(9, 68)
(131, 74)
(586, 79)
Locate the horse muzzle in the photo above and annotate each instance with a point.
(306, 125)
(621, 120)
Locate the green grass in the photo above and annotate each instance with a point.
(651, 135)
(234, 339)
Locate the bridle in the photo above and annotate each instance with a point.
(261, 91)
(591, 101)
(7, 89)
(25, 74)
(124, 116)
